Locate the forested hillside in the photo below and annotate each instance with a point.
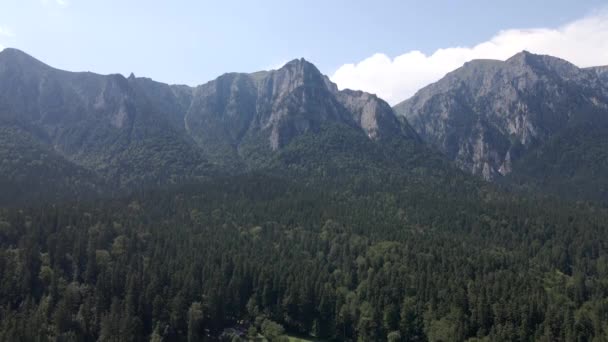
(408, 264)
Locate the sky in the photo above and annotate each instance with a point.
(388, 47)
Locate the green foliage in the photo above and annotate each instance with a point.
(313, 260)
(31, 172)
(272, 331)
(573, 164)
(195, 322)
(393, 336)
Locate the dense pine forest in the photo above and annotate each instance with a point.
(267, 257)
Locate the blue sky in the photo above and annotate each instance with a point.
(194, 41)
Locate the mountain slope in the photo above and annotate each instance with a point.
(135, 132)
(601, 71)
(239, 121)
(488, 114)
(573, 164)
(101, 123)
(242, 118)
(29, 171)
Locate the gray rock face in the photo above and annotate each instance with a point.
(278, 105)
(486, 114)
(601, 71)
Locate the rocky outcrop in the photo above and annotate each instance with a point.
(278, 105)
(601, 71)
(488, 113)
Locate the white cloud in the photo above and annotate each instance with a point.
(583, 42)
(62, 2)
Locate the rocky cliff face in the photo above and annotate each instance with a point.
(270, 108)
(488, 113)
(600, 71)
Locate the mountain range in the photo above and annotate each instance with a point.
(132, 132)
(533, 121)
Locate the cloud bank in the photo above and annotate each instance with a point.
(583, 42)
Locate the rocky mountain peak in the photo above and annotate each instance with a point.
(485, 114)
(13, 54)
(521, 57)
(292, 75)
(299, 63)
(543, 65)
(13, 60)
(279, 105)
(300, 68)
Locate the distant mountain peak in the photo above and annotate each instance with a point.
(525, 58)
(13, 52)
(523, 54)
(18, 57)
(487, 113)
(300, 68)
(279, 105)
(297, 62)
